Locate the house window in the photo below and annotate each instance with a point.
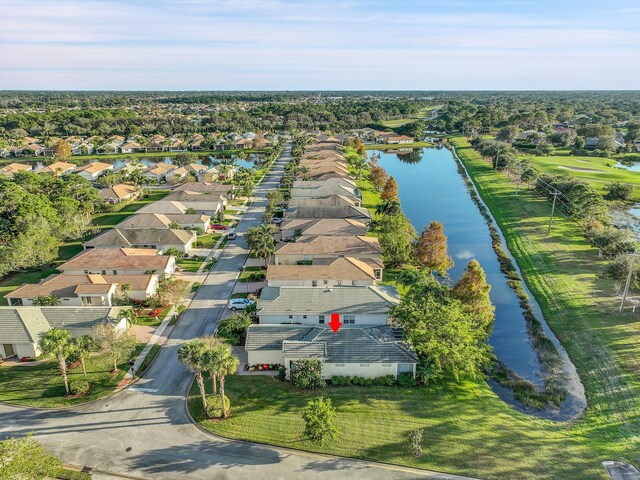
(326, 282)
(86, 271)
(377, 273)
(339, 282)
(364, 364)
(320, 318)
(104, 272)
(290, 316)
(314, 283)
(353, 283)
(304, 316)
(115, 272)
(339, 364)
(349, 319)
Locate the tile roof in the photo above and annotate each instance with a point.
(115, 258)
(15, 167)
(326, 201)
(346, 245)
(65, 286)
(55, 166)
(326, 226)
(314, 300)
(328, 212)
(347, 345)
(203, 187)
(95, 167)
(344, 268)
(120, 191)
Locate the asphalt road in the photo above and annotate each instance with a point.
(145, 431)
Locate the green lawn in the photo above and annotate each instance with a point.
(246, 273)
(189, 264)
(209, 240)
(153, 321)
(41, 385)
(9, 284)
(594, 170)
(111, 219)
(468, 430)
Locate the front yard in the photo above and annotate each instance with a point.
(41, 385)
(468, 430)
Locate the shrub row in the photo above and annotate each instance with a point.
(404, 380)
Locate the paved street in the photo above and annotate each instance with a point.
(145, 431)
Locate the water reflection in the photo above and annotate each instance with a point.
(430, 188)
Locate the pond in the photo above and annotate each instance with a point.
(630, 166)
(431, 188)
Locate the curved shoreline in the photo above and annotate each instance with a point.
(575, 402)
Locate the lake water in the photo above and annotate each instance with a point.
(430, 188)
(632, 167)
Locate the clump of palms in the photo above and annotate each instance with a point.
(261, 242)
(84, 345)
(59, 343)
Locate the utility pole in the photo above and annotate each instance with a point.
(629, 275)
(553, 209)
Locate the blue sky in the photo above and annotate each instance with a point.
(331, 44)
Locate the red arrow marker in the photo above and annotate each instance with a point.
(335, 322)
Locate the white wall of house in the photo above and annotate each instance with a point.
(67, 301)
(315, 319)
(264, 356)
(92, 176)
(320, 283)
(97, 270)
(366, 370)
(20, 349)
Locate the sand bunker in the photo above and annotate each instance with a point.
(580, 169)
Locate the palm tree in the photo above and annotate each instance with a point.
(388, 207)
(211, 361)
(82, 346)
(224, 362)
(261, 242)
(46, 301)
(58, 342)
(128, 314)
(192, 354)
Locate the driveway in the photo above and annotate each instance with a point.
(144, 431)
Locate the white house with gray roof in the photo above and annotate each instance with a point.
(365, 352)
(21, 328)
(357, 306)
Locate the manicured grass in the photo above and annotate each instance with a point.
(467, 429)
(209, 240)
(595, 170)
(111, 219)
(41, 385)
(189, 264)
(9, 284)
(153, 321)
(148, 359)
(246, 273)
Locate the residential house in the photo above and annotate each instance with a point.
(120, 192)
(85, 290)
(327, 201)
(187, 197)
(310, 248)
(242, 143)
(130, 147)
(355, 213)
(368, 352)
(12, 168)
(21, 328)
(161, 239)
(325, 273)
(341, 181)
(356, 306)
(58, 168)
(159, 220)
(192, 168)
(159, 171)
(205, 187)
(321, 226)
(397, 139)
(120, 261)
(323, 189)
(92, 171)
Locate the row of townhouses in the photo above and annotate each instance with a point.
(326, 266)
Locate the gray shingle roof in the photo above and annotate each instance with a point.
(78, 317)
(310, 300)
(347, 345)
(13, 328)
(359, 213)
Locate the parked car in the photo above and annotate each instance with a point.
(232, 236)
(219, 226)
(277, 220)
(239, 303)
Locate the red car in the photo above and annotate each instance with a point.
(219, 226)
